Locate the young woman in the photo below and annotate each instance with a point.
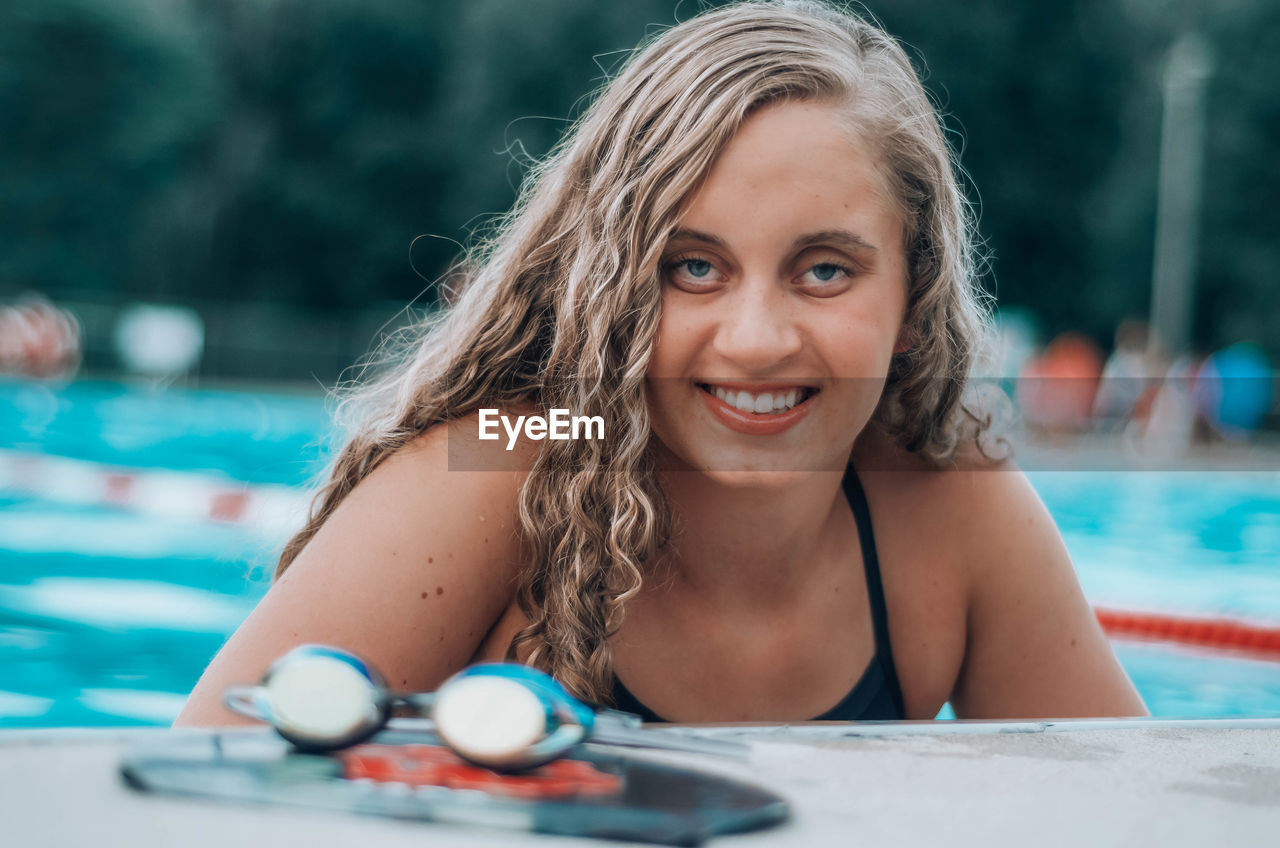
(751, 262)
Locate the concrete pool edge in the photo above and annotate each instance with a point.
(948, 727)
(965, 783)
(763, 730)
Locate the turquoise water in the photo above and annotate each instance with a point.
(108, 615)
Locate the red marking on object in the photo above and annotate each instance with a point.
(228, 506)
(431, 765)
(119, 488)
(1218, 633)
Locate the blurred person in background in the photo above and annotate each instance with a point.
(1125, 378)
(37, 339)
(1164, 419)
(1056, 389)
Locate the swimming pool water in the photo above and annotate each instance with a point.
(108, 616)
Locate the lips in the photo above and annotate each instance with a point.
(780, 405)
(759, 401)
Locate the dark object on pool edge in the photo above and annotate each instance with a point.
(657, 803)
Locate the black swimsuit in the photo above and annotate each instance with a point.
(877, 695)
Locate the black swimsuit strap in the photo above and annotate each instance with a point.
(880, 678)
(875, 588)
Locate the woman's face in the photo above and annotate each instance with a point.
(784, 290)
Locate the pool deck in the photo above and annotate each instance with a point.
(1043, 783)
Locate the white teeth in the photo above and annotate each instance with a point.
(762, 404)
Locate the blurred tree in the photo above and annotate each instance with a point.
(106, 107)
(1239, 281)
(1038, 95)
(290, 152)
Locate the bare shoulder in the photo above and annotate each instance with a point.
(975, 563)
(1034, 648)
(410, 571)
(458, 445)
(960, 501)
(980, 501)
(985, 514)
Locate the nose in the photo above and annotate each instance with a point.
(757, 330)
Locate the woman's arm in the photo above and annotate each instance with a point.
(1035, 649)
(409, 573)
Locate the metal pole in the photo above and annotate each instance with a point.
(1189, 64)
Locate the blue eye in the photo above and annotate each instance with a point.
(827, 277)
(826, 272)
(697, 267)
(694, 273)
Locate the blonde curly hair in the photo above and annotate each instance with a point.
(559, 305)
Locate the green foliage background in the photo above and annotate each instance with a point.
(288, 152)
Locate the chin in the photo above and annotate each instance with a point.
(757, 478)
(750, 468)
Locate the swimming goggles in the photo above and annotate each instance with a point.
(501, 716)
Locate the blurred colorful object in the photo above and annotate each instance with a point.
(37, 339)
(1233, 389)
(1056, 390)
(159, 341)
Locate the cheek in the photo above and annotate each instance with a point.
(881, 327)
(670, 345)
(859, 347)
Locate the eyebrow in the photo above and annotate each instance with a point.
(843, 238)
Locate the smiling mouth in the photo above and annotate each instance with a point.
(763, 403)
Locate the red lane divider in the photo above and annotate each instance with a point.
(198, 496)
(185, 495)
(1223, 633)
